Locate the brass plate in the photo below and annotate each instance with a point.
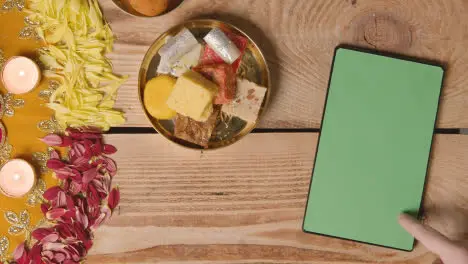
(173, 4)
(253, 67)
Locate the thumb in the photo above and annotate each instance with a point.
(434, 241)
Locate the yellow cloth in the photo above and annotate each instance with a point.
(22, 131)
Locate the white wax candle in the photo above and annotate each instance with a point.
(20, 75)
(17, 178)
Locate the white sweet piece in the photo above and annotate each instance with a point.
(222, 45)
(178, 45)
(248, 101)
(174, 49)
(187, 61)
(163, 67)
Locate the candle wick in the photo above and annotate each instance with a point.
(16, 177)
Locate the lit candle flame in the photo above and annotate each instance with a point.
(16, 177)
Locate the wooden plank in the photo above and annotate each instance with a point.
(245, 203)
(299, 37)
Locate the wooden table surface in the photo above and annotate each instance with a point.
(245, 203)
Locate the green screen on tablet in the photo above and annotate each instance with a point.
(374, 148)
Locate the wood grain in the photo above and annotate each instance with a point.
(299, 37)
(245, 203)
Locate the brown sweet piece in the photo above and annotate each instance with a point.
(196, 132)
(147, 7)
(224, 76)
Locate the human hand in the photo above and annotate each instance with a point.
(449, 251)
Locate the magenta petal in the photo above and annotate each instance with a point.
(55, 213)
(44, 208)
(111, 166)
(97, 148)
(35, 253)
(55, 164)
(52, 140)
(79, 149)
(61, 200)
(59, 257)
(54, 155)
(48, 254)
(114, 198)
(19, 251)
(66, 172)
(52, 193)
(75, 188)
(50, 238)
(80, 161)
(109, 149)
(40, 233)
(89, 175)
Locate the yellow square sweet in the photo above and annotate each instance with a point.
(193, 96)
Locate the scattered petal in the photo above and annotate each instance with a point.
(19, 252)
(52, 140)
(52, 193)
(67, 142)
(54, 154)
(55, 214)
(109, 149)
(114, 198)
(55, 164)
(50, 238)
(41, 233)
(89, 175)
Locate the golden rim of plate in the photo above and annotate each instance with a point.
(119, 4)
(256, 54)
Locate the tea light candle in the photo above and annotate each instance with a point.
(20, 75)
(17, 178)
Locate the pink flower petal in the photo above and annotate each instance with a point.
(44, 208)
(50, 238)
(54, 155)
(52, 193)
(109, 149)
(52, 140)
(59, 257)
(97, 148)
(79, 149)
(35, 253)
(48, 254)
(114, 198)
(61, 200)
(53, 246)
(55, 213)
(40, 233)
(75, 188)
(111, 166)
(103, 217)
(66, 142)
(55, 164)
(66, 172)
(70, 203)
(19, 251)
(89, 175)
(64, 231)
(88, 244)
(80, 161)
